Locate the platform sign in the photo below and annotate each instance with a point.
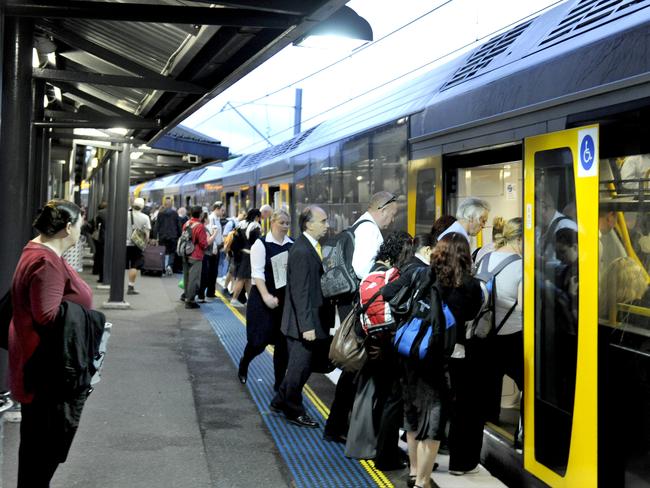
(588, 153)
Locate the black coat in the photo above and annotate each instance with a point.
(60, 370)
(167, 224)
(305, 308)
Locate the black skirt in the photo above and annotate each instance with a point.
(425, 403)
(262, 323)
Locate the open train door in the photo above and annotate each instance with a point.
(561, 307)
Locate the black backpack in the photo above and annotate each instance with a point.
(485, 324)
(339, 277)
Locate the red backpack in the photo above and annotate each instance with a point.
(378, 316)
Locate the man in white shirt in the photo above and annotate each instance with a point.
(134, 255)
(381, 212)
(472, 214)
(212, 259)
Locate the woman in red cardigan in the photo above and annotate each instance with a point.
(42, 281)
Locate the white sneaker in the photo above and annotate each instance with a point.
(169, 271)
(210, 299)
(236, 303)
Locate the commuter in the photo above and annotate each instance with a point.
(497, 229)
(440, 225)
(182, 218)
(507, 345)
(248, 231)
(452, 264)
(99, 237)
(134, 255)
(380, 214)
(307, 316)
(269, 256)
(551, 222)
(42, 284)
(610, 248)
(377, 413)
(214, 222)
(266, 211)
(192, 265)
(232, 265)
(472, 214)
(566, 249)
(204, 286)
(167, 230)
(627, 283)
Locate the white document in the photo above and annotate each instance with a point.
(279, 265)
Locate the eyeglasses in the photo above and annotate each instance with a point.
(391, 200)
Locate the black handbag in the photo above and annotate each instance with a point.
(402, 303)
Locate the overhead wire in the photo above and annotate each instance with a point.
(344, 58)
(408, 73)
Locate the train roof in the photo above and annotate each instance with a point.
(568, 48)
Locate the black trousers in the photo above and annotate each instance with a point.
(289, 395)
(98, 260)
(468, 382)
(392, 417)
(37, 458)
(507, 359)
(280, 358)
(209, 275)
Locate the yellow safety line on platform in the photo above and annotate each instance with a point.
(377, 475)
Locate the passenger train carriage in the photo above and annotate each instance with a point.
(550, 116)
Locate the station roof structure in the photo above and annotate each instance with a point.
(146, 65)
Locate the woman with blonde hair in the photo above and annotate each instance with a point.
(268, 258)
(497, 230)
(507, 342)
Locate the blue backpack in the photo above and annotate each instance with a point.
(432, 330)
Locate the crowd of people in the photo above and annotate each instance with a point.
(441, 397)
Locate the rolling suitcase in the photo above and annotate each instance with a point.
(154, 260)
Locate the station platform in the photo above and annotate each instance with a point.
(170, 411)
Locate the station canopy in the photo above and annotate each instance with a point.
(146, 65)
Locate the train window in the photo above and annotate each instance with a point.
(357, 171)
(389, 162)
(624, 318)
(321, 167)
(556, 306)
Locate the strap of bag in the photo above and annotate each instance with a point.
(505, 318)
(365, 307)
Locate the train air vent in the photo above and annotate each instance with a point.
(589, 14)
(484, 55)
(254, 160)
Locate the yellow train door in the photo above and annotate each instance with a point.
(424, 194)
(561, 307)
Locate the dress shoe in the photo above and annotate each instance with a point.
(304, 421)
(242, 374)
(275, 408)
(192, 305)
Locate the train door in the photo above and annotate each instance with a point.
(424, 194)
(493, 174)
(560, 307)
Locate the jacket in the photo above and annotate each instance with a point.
(60, 370)
(167, 224)
(305, 308)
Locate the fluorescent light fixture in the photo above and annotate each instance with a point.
(35, 62)
(346, 24)
(45, 101)
(94, 162)
(51, 58)
(136, 155)
(359, 178)
(57, 93)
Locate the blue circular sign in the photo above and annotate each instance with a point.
(587, 152)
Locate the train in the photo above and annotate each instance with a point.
(551, 115)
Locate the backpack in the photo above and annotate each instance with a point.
(339, 277)
(430, 332)
(378, 316)
(485, 322)
(185, 245)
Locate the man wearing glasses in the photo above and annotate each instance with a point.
(381, 212)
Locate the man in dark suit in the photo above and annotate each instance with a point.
(307, 316)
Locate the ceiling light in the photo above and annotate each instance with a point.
(118, 130)
(51, 58)
(136, 155)
(343, 29)
(35, 62)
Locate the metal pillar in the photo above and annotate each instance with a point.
(16, 167)
(46, 142)
(121, 197)
(297, 112)
(37, 192)
(111, 172)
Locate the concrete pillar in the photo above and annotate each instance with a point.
(121, 207)
(109, 186)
